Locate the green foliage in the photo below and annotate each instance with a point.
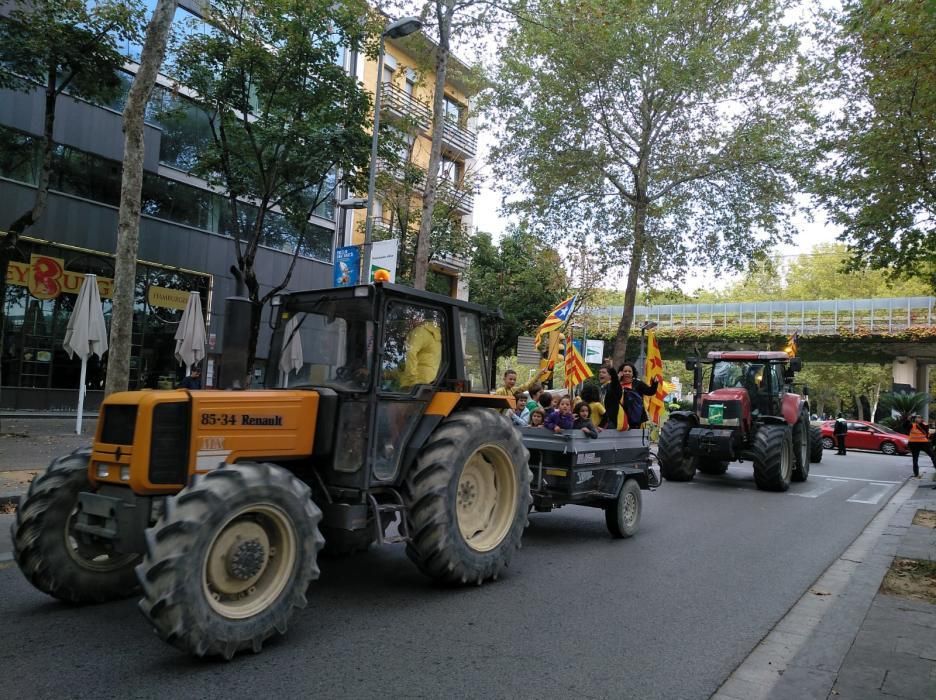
(522, 277)
(904, 404)
(674, 140)
(74, 41)
(822, 273)
(880, 63)
(285, 117)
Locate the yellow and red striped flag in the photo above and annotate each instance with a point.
(576, 369)
(653, 369)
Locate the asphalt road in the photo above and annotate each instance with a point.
(667, 614)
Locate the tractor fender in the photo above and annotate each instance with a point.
(791, 408)
(684, 415)
(775, 420)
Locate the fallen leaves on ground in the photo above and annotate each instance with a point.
(911, 578)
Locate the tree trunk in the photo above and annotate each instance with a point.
(444, 11)
(859, 406)
(128, 216)
(619, 354)
(28, 218)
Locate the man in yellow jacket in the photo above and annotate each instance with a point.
(423, 355)
(919, 442)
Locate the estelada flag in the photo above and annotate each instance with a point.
(792, 346)
(556, 318)
(653, 369)
(576, 369)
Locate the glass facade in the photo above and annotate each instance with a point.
(44, 279)
(95, 178)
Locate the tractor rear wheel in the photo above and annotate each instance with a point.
(773, 458)
(71, 566)
(712, 467)
(816, 444)
(231, 559)
(622, 516)
(676, 464)
(468, 496)
(801, 448)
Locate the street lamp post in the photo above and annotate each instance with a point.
(395, 30)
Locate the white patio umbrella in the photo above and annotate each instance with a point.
(86, 334)
(291, 354)
(190, 335)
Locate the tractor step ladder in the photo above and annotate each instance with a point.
(394, 508)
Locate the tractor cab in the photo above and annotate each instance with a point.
(383, 359)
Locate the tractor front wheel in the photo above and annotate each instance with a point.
(468, 496)
(231, 560)
(801, 448)
(68, 565)
(816, 444)
(676, 464)
(773, 457)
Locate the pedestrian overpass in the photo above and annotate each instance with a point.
(901, 330)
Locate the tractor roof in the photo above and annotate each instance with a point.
(749, 356)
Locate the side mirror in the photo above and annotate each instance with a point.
(805, 389)
(691, 363)
(796, 364)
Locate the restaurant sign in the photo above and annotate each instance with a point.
(46, 278)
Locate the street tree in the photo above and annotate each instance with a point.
(675, 138)
(131, 185)
(521, 276)
(879, 179)
(58, 46)
(904, 404)
(288, 123)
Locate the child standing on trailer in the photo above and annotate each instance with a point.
(562, 418)
(583, 420)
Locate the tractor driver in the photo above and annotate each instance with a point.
(423, 355)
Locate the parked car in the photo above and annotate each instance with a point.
(864, 435)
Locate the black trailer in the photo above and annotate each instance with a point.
(607, 472)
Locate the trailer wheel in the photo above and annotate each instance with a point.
(70, 566)
(712, 467)
(230, 560)
(801, 448)
(622, 516)
(772, 450)
(676, 464)
(816, 444)
(468, 496)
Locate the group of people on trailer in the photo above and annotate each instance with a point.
(616, 403)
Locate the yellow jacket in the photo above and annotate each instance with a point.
(423, 355)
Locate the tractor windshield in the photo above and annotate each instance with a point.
(328, 343)
(745, 375)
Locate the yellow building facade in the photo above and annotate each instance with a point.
(407, 85)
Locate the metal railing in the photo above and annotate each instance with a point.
(459, 140)
(820, 317)
(400, 103)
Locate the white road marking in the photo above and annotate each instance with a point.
(817, 488)
(854, 478)
(872, 493)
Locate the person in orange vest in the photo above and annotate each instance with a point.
(919, 442)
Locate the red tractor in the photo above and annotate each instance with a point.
(748, 413)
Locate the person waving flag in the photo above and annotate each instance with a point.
(653, 370)
(556, 318)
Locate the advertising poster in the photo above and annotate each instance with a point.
(384, 257)
(594, 352)
(347, 265)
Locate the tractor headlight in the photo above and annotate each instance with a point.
(103, 470)
(125, 473)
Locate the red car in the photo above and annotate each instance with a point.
(864, 435)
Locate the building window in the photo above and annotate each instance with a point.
(454, 112)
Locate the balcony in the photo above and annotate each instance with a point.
(398, 103)
(460, 141)
(460, 198)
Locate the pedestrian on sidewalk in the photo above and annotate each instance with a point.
(919, 442)
(840, 431)
(192, 381)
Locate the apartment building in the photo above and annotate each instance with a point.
(407, 86)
